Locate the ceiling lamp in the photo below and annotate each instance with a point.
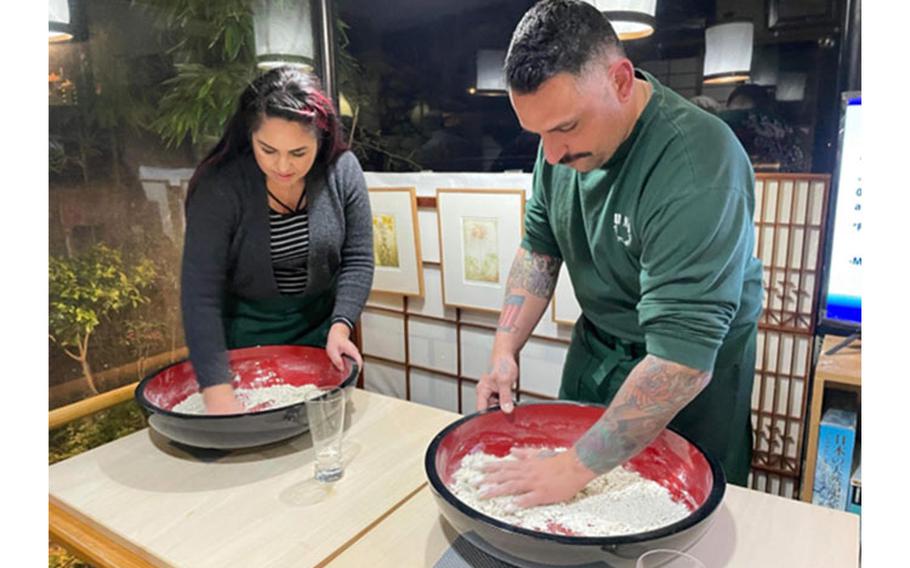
(728, 53)
(58, 15)
(284, 34)
(631, 19)
(491, 78)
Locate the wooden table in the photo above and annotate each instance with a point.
(842, 370)
(142, 500)
(751, 529)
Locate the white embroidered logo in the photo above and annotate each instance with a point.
(623, 228)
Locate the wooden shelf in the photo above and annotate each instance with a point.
(842, 370)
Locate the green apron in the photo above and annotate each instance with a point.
(284, 320)
(718, 419)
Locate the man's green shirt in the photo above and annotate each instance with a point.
(659, 241)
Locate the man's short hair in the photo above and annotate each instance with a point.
(557, 36)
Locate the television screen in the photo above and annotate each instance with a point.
(843, 290)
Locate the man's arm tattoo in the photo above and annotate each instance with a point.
(510, 310)
(652, 395)
(535, 273)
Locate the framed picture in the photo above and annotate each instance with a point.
(565, 307)
(396, 241)
(479, 232)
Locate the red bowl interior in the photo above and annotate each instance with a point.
(670, 459)
(257, 367)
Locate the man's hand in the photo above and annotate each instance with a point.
(496, 386)
(537, 478)
(220, 399)
(339, 343)
(532, 279)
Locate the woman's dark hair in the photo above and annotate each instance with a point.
(283, 92)
(557, 36)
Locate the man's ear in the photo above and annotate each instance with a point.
(622, 79)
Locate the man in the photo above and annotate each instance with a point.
(649, 201)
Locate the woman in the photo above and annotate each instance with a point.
(279, 242)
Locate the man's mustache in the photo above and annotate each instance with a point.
(569, 158)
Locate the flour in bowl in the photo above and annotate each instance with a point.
(618, 502)
(265, 398)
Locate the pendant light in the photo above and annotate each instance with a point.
(58, 16)
(631, 19)
(284, 34)
(491, 79)
(728, 53)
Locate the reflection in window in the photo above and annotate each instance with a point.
(136, 96)
(413, 79)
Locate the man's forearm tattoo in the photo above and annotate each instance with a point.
(652, 395)
(534, 272)
(510, 310)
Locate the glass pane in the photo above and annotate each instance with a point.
(136, 97)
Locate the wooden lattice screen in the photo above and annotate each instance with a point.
(790, 218)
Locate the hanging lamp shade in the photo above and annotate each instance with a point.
(631, 19)
(728, 53)
(491, 79)
(284, 34)
(58, 16)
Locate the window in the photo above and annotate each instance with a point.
(135, 98)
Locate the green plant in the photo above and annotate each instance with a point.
(110, 101)
(88, 288)
(58, 557)
(92, 431)
(142, 337)
(115, 104)
(199, 103)
(57, 158)
(214, 59)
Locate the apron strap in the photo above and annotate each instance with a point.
(596, 364)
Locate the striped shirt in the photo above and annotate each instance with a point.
(290, 246)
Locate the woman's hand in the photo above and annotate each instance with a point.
(339, 343)
(220, 399)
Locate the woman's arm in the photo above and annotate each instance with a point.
(355, 277)
(212, 212)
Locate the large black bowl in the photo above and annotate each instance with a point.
(692, 477)
(256, 367)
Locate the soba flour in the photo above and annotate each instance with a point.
(275, 396)
(616, 503)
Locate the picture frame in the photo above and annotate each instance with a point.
(565, 308)
(396, 241)
(479, 232)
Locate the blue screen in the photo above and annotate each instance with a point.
(844, 299)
